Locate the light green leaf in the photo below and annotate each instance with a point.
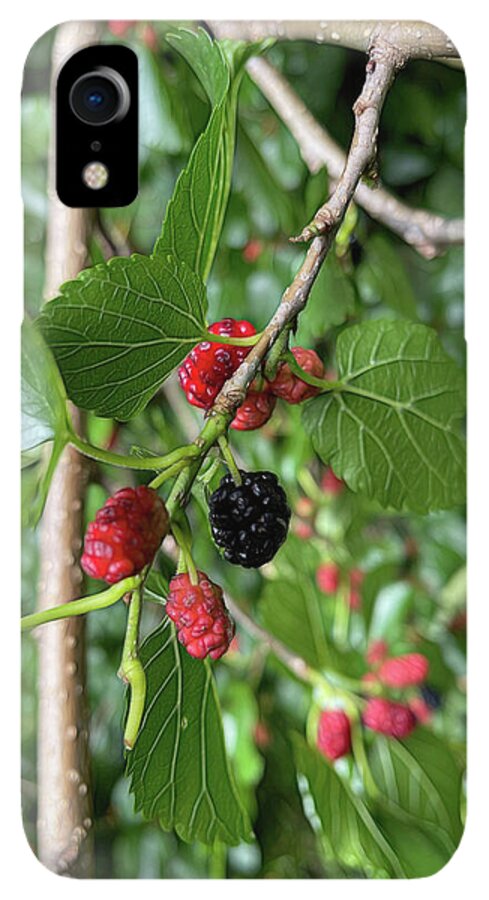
(195, 214)
(44, 414)
(391, 431)
(118, 330)
(351, 834)
(420, 783)
(179, 770)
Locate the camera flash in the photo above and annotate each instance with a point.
(95, 175)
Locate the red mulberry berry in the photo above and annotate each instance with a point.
(288, 386)
(334, 735)
(389, 718)
(203, 624)
(328, 578)
(208, 366)
(255, 411)
(331, 484)
(125, 534)
(402, 671)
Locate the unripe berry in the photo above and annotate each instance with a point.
(125, 535)
(303, 530)
(334, 734)
(331, 484)
(289, 386)
(208, 366)
(256, 409)
(252, 251)
(403, 671)
(328, 578)
(203, 624)
(389, 718)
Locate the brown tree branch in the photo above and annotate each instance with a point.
(414, 40)
(381, 68)
(64, 798)
(427, 232)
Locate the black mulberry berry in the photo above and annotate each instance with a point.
(249, 521)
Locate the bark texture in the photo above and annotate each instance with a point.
(64, 797)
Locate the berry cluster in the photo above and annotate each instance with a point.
(249, 520)
(125, 534)
(203, 624)
(209, 365)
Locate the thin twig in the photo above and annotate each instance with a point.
(295, 663)
(415, 40)
(381, 67)
(427, 232)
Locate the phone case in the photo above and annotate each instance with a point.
(243, 482)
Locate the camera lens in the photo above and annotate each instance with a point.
(100, 97)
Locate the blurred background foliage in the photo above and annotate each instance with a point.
(413, 594)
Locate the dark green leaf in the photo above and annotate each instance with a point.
(382, 277)
(417, 848)
(420, 783)
(293, 609)
(44, 413)
(351, 834)
(178, 768)
(391, 431)
(118, 330)
(195, 214)
(331, 302)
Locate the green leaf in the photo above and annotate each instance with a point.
(293, 609)
(382, 277)
(118, 330)
(178, 768)
(420, 783)
(44, 414)
(195, 214)
(351, 834)
(331, 302)
(417, 848)
(391, 431)
(206, 58)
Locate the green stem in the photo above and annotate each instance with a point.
(249, 341)
(186, 551)
(361, 760)
(214, 427)
(153, 463)
(81, 606)
(131, 670)
(229, 458)
(308, 378)
(168, 473)
(275, 357)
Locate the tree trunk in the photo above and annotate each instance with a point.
(64, 797)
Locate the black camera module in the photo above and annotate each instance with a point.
(97, 127)
(100, 97)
